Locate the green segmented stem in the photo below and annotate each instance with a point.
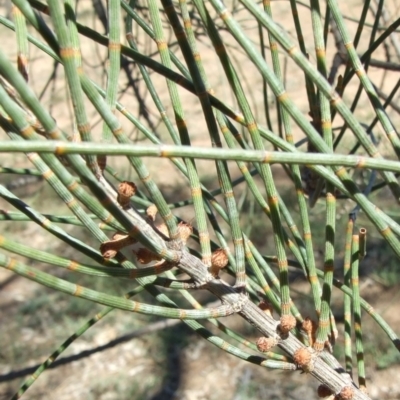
(298, 246)
(79, 332)
(22, 42)
(151, 88)
(69, 7)
(387, 32)
(106, 299)
(309, 84)
(322, 84)
(365, 57)
(322, 119)
(236, 86)
(264, 84)
(40, 45)
(27, 132)
(182, 285)
(381, 222)
(68, 53)
(326, 24)
(6, 215)
(243, 341)
(50, 227)
(284, 116)
(114, 58)
(184, 135)
(255, 258)
(324, 323)
(365, 81)
(347, 299)
(19, 171)
(247, 176)
(388, 101)
(315, 160)
(129, 8)
(222, 344)
(272, 196)
(261, 280)
(192, 58)
(115, 126)
(299, 117)
(309, 258)
(37, 21)
(62, 191)
(222, 168)
(70, 16)
(272, 277)
(75, 266)
(233, 219)
(281, 114)
(355, 260)
(129, 222)
(346, 80)
(98, 102)
(394, 338)
(362, 234)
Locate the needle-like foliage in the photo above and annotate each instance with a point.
(277, 138)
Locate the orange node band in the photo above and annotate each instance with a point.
(78, 290)
(73, 265)
(11, 264)
(67, 52)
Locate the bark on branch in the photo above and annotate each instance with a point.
(323, 366)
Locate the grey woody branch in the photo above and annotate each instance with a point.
(320, 365)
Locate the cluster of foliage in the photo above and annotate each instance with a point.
(320, 139)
